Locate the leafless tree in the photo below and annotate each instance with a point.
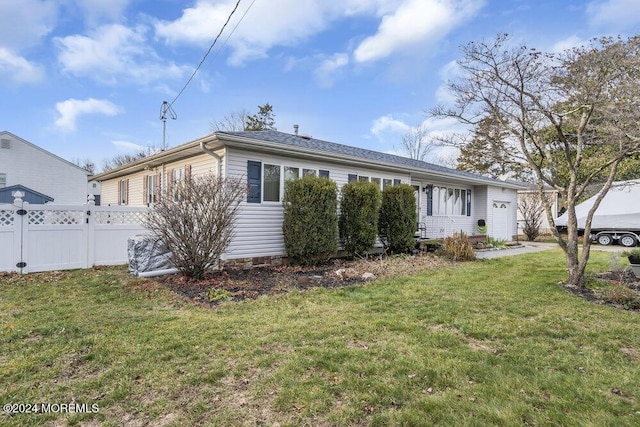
(85, 164)
(122, 159)
(416, 144)
(197, 228)
(586, 96)
(232, 122)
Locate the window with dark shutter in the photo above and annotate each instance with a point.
(254, 172)
(352, 177)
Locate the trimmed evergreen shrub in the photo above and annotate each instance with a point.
(310, 225)
(358, 223)
(397, 220)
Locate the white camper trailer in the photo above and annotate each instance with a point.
(617, 219)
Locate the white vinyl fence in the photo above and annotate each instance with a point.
(60, 237)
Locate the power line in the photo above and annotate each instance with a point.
(207, 54)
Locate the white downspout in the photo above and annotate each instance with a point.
(210, 152)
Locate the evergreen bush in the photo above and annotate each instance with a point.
(397, 220)
(310, 225)
(358, 223)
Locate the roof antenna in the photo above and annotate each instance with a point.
(164, 109)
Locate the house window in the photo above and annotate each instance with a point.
(386, 183)
(323, 173)
(123, 192)
(271, 183)
(376, 181)
(291, 173)
(352, 177)
(308, 172)
(3, 180)
(449, 201)
(363, 178)
(5, 143)
(397, 182)
(150, 189)
(176, 176)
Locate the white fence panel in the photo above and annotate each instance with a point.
(112, 228)
(9, 238)
(60, 237)
(55, 237)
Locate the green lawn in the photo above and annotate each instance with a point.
(493, 342)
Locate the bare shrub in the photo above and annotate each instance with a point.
(531, 209)
(196, 221)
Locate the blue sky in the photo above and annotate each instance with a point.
(86, 78)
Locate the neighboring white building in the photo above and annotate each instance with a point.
(449, 200)
(43, 176)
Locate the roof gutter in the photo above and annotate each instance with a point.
(203, 147)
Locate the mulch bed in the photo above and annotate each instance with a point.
(271, 280)
(623, 291)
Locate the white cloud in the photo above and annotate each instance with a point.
(115, 53)
(413, 23)
(325, 73)
(26, 22)
(71, 109)
(614, 14)
(386, 127)
(16, 69)
(102, 10)
(128, 146)
(568, 43)
(266, 25)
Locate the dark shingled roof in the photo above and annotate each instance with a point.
(306, 142)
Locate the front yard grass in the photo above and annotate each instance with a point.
(494, 342)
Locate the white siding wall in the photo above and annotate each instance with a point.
(42, 171)
(259, 226)
(200, 164)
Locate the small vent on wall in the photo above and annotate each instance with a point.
(5, 143)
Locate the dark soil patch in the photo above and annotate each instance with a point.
(264, 280)
(269, 280)
(619, 289)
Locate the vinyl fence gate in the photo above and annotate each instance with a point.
(60, 237)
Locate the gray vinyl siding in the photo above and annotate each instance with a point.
(259, 225)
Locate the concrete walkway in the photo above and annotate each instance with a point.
(531, 247)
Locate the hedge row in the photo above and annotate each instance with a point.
(311, 224)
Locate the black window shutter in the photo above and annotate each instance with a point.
(468, 202)
(430, 200)
(352, 177)
(254, 181)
